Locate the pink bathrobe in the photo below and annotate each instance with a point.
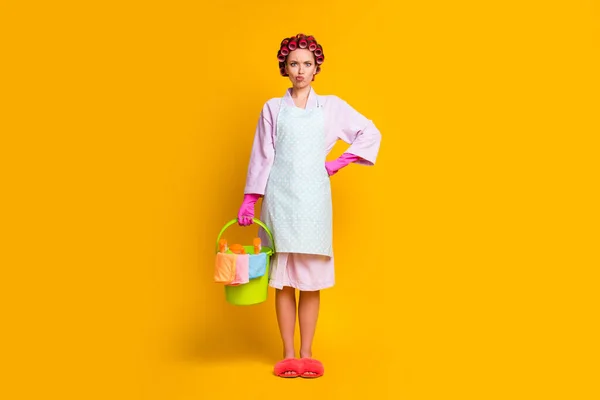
(342, 122)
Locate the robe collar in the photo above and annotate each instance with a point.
(310, 103)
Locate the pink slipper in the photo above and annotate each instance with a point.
(311, 365)
(288, 365)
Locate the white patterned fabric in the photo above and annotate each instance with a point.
(297, 197)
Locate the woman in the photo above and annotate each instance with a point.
(288, 168)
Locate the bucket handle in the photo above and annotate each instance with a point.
(233, 221)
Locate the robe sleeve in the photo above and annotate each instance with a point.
(358, 131)
(262, 155)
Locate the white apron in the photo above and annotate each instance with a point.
(297, 203)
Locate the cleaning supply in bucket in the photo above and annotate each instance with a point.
(223, 246)
(257, 245)
(237, 249)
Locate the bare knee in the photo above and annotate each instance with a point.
(286, 292)
(310, 293)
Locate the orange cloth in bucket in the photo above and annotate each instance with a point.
(225, 268)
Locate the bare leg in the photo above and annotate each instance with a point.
(285, 305)
(308, 312)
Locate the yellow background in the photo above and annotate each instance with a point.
(466, 258)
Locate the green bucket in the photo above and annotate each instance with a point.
(256, 290)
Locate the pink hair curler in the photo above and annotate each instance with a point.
(284, 50)
(292, 45)
(303, 43)
(312, 46)
(319, 51)
(284, 42)
(280, 57)
(320, 59)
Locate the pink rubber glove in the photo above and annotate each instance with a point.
(246, 212)
(345, 159)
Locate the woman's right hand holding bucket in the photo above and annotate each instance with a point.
(246, 212)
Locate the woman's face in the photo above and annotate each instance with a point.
(301, 67)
